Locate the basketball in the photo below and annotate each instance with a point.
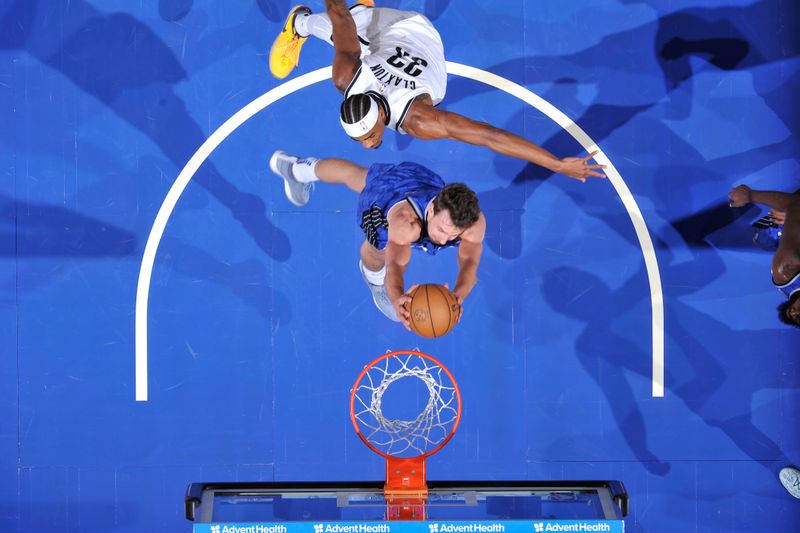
(433, 309)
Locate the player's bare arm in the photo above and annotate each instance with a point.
(786, 262)
(469, 257)
(426, 122)
(404, 228)
(742, 195)
(346, 48)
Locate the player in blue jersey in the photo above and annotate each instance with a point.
(400, 207)
(786, 265)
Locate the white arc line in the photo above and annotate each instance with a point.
(262, 102)
(175, 192)
(645, 242)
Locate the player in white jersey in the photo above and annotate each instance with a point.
(390, 66)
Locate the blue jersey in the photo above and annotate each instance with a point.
(791, 287)
(388, 185)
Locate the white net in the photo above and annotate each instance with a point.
(424, 432)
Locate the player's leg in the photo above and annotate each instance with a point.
(341, 171)
(319, 24)
(373, 270)
(285, 52)
(377, 21)
(301, 22)
(299, 174)
(374, 261)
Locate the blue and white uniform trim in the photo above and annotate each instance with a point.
(790, 287)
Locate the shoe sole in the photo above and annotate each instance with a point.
(273, 165)
(393, 316)
(787, 484)
(289, 23)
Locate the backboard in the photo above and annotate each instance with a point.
(451, 507)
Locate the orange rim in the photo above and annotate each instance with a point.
(354, 420)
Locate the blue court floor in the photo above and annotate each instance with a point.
(257, 322)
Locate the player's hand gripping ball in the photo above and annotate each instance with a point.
(434, 310)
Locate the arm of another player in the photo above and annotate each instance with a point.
(346, 48)
(742, 195)
(786, 261)
(469, 257)
(426, 122)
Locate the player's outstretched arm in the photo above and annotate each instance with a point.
(786, 261)
(402, 232)
(742, 195)
(426, 122)
(346, 48)
(397, 259)
(469, 257)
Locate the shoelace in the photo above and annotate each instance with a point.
(289, 51)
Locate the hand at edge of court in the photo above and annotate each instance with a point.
(740, 196)
(579, 168)
(400, 306)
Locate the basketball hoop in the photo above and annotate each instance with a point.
(405, 444)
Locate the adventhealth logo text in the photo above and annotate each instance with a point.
(275, 528)
(541, 527)
(466, 528)
(351, 528)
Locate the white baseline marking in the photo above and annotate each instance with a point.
(262, 102)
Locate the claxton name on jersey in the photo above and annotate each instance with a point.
(387, 78)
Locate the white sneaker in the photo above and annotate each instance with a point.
(790, 479)
(297, 192)
(379, 296)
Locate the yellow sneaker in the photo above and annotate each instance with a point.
(365, 3)
(285, 52)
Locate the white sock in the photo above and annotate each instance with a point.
(376, 278)
(304, 170)
(317, 25)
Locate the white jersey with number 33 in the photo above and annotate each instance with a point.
(405, 60)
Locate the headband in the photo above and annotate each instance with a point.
(364, 125)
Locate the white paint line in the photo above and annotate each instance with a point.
(175, 192)
(262, 102)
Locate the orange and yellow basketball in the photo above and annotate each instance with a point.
(433, 309)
